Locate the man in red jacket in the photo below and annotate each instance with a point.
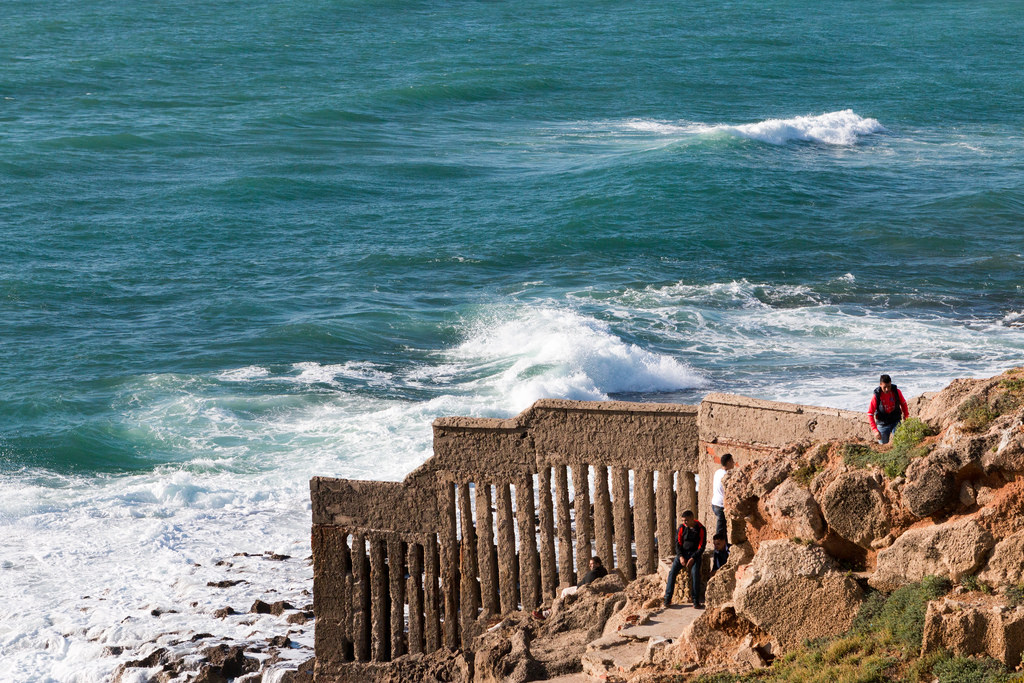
(888, 408)
(690, 541)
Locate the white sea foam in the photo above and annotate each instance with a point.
(755, 332)
(834, 128)
(556, 352)
(242, 444)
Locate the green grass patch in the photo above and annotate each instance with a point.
(906, 445)
(975, 414)
(805, 474)
(971, 583)
(901, 614)
(970, 670)
(1014, 595)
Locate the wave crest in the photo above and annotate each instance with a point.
(834, 128)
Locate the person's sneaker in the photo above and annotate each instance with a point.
(538, 615)
(666, 603)
(698, 605)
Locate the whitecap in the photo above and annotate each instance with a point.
(832, 128)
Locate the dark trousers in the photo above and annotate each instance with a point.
(677, 565)
(720, 515)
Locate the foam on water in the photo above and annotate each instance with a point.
(833, 128)
(239, 446)
(841, 128)
(238, 481)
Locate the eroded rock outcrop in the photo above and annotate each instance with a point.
(966, 628)
(794, 512)
(951, 550)
(1006, 565)
(855, 506)
(788, 583)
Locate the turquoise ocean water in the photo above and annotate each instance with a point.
(244, 244)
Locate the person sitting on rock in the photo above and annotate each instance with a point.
(597, 570)
(691, 538)
(888, 408)
(720, 555)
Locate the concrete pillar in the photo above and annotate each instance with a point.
(449, 565)
(431, 595)
(380, 609)
(414, 590)
(666, 513)
(602, 516)
(362, 602)
(507, 562)
(529, 565)
(566, 575)
(469, 590)
(347, 611)
(584, 521)
(548, 565)
(643, 517)
(686, 495)
(623, 522)
(486, 558)
(396, 576)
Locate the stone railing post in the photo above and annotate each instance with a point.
(415, 593)
(487, 559)
(643, 515)
(602, 516)
(507, 561)
(666, 505)
(529, 566)
(469, 589)
(584, 521)
(548, 565)
(566, 575)
(623, 522)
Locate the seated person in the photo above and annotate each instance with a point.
(721, 553)
(597, 570)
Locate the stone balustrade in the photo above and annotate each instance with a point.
(506, 511)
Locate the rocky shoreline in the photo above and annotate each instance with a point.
(278, 649)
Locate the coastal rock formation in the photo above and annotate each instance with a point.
(966, 628)
(951, 550)
(720, 587)
(931, 483)
(854, 505)
(1006, 565)
(793, 511)
(785, 583)
(810, 521)
(718, 635)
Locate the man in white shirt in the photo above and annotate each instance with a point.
(718, 493)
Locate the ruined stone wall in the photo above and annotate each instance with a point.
(747, 427)
(506, 511)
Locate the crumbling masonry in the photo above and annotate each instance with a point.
(507, 510)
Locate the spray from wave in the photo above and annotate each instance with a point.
(554, 352)
(840, 128)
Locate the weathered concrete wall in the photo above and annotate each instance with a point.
(747, 427)
(507, 510)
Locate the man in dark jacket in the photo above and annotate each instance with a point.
(691, 538)
(888, 408)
